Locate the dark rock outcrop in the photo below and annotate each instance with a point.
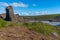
(10, 14)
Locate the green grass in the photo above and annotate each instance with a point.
(36, 26)
(11, 24)
(3, 23)
(57, 29)
(41, 27)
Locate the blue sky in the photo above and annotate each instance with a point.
(31, 7)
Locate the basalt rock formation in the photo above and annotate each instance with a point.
(10, 16)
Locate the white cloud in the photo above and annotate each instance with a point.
(14, 4)
(37, 12)
(4, 4)
(31, 13)
(19, 4)
(27, 14)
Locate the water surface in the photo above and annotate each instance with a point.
(51, 23)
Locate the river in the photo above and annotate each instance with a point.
(51, 23)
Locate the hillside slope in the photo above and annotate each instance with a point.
(21, 33)
(27, 31)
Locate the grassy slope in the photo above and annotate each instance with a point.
(42, 28)
(39, 27)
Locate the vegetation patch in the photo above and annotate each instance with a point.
(40, 27)
(35, 26)
(3, 23)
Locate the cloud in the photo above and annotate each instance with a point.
(14, 4)
(30, 13)
(4, 4)
(17, 11)
(19, 4)
(25, 13)
(21, 12)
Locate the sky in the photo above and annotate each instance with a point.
(31, 7)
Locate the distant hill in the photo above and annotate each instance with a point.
(53, 17)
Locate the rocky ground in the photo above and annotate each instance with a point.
(21, 33)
